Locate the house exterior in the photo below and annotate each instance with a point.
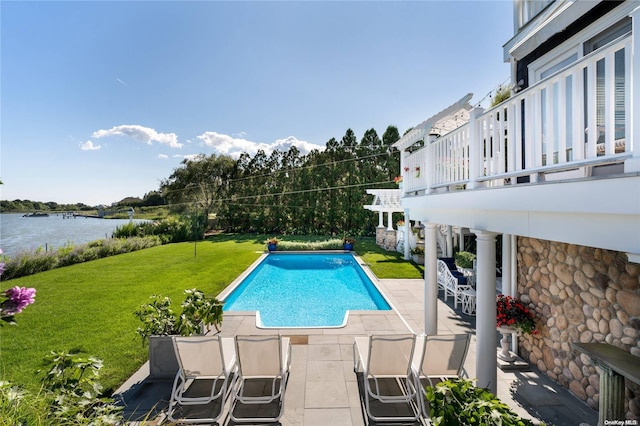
(554, 172)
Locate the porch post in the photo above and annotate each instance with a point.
(407, 229)
(380, 219)
(449, 252)
(389, 221)
(486, 335)
(508, 287)
(431, 281)
(633, 164)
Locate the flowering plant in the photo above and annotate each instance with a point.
(406, 169)
(513, 313)
(272, 240)
(15, 300)
(397, 179)
(400, 223)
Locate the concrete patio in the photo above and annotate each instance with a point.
(323, 389)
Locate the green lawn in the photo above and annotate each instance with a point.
(90, 306)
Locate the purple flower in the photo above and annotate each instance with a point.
(19, 298)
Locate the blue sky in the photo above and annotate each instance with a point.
(103, 100)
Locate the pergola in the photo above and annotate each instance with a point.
(385, 201)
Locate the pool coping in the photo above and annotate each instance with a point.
(348, 314)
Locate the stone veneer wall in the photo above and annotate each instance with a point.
(385, 238)
(580, 294)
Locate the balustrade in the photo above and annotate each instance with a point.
(574, 119)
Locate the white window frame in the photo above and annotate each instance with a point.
(575, 44)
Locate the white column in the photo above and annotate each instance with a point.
(633, 164)
(380, 219)
(449, 252)
(486, 335)
(389, 221)
(407, 229)
(507, 288)
(431, 281)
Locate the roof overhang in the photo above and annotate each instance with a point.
(549, 22)
(441, 123)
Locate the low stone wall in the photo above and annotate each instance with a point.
(390, 240)
(381, 233)
(580, 294)
(386, 238)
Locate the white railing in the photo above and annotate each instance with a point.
(575, 118)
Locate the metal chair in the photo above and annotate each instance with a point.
(202, 383)
(263, 371)
(385, 364)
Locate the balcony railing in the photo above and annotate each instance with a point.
(574, 119)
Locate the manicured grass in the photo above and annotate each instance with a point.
(90, 306)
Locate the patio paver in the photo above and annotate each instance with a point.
(323, 389)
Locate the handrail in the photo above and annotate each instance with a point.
(576, 117)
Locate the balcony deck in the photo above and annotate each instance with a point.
(555, 161)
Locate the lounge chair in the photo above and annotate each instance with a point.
(389, 389)
(201, 386)
(263, 371)
(438, 358)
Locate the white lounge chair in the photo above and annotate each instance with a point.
(201, 386)
(263, 371)
(438, 358)
(385, 363)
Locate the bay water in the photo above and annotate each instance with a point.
(18, 233)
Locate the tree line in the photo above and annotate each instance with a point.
(322, 192)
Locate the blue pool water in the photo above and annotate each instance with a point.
(305, 290)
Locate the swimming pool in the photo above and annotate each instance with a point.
(305, 290)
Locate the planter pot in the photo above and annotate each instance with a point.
(272, 247)
(348, 246)
(162, 358)
(418, 258)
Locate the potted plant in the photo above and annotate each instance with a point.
(512, 313)
(159, 323)
(272, 243)
(417, 255)
(348, 242)
(398, 180)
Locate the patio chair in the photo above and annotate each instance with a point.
(263, 371)
(202, 384)
(389, 389)
(439, 358)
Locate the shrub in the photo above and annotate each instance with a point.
(28, 263)
(459, 402)
(174, 229)
(332, 244)
(464, 259)
(70, 395)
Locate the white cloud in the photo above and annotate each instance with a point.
(89, 146)
(163, 156)
(140, 133)
(233, 146)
